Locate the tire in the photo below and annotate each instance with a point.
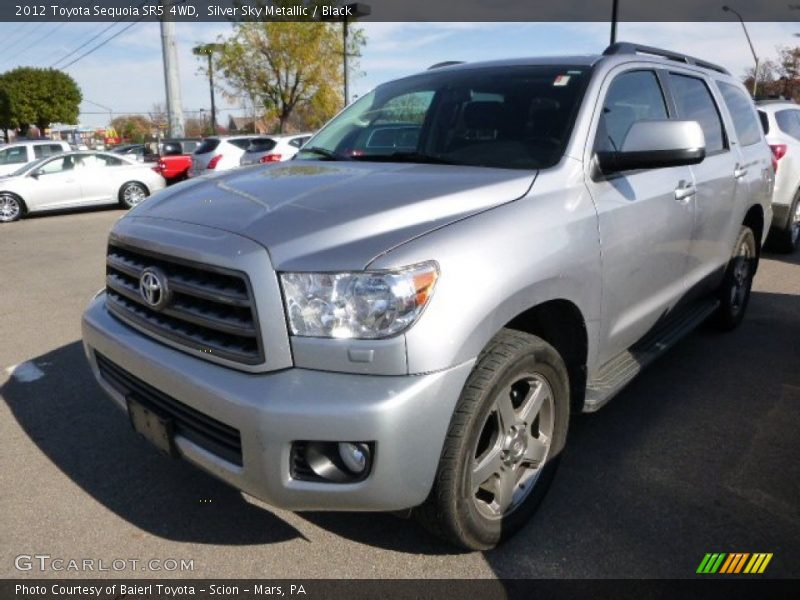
(12, 208)
(734, 292)
(787, 239)
(132, 193)
(493, 473)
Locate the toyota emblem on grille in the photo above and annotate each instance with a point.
(153, 288)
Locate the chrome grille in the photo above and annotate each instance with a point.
(211, 310)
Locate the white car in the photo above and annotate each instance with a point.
(781, 122)
(273, 148)
(219, 153)
(75, 179)
(14, 156)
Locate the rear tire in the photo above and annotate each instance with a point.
(734, 292)
(12, 208)
(787, 239)
(132, 194)
(503, 444)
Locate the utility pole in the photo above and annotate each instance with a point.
(169, 50)
(614, 14)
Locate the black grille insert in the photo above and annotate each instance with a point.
(208, 433)
(211, 311)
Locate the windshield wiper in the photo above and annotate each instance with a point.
(410, 157)
(329, 154)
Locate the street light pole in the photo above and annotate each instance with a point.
(208, 50)
(750, 43)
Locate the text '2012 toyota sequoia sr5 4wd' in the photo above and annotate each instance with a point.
(406, 315)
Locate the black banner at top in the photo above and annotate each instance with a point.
(399, 10)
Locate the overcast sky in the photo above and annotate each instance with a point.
(126, 74)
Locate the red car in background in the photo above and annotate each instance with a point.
(175, 158)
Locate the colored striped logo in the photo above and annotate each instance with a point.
(734, 563)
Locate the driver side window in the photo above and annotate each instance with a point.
(57, 165)
(633, 96)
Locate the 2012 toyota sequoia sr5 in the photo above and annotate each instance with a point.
(406, 315)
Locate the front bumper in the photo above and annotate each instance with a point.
(405, 416)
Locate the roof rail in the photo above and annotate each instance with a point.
(629, 48)
(447, 63)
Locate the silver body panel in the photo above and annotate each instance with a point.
(625, 251)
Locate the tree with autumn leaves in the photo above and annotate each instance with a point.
(292, 71)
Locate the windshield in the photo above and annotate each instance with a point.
(515, 117)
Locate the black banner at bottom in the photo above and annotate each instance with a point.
(417, 589)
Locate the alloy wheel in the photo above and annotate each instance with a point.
(9, 208)
(513, 446)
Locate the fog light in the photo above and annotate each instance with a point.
(354, 456)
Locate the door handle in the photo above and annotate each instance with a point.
(684, 191)
(739, 172)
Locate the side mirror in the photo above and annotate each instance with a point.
(654, 145)
(35, 174)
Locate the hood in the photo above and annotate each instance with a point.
(322, 215)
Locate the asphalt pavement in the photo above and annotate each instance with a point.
(699, 454)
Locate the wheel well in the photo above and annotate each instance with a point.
(561, 324)
(754, 219)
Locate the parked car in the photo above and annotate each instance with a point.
(74, 179)
(175, 158)
(218, 153)
(366, 328)
(13, 156)
(781, 122)
(273, 148)
(136, 152)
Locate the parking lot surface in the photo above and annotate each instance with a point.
(699, 454)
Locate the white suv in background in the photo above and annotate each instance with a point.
(781, 122)
(219, 153)
(13, 156)
(273, 148)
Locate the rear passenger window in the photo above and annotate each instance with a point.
(633, 96)
(789, 122)
(743, 113)
(695, 103)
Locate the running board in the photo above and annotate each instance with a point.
(620, 370)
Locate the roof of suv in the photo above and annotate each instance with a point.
(624, 50)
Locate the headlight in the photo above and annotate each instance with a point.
(363, 304)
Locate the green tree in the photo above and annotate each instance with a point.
(31, 96)
(290, 69)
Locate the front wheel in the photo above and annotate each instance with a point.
(11, 207)
(132, 193)
(503, 444)
(734, 293)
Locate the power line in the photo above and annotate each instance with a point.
(100, 45)
(86, 43)
(32, 44)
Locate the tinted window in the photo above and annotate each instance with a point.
(515, 117)
(633, 96)
(762, 116)
(788, 122)
(189, 146)
(14, 156)
(297, 142)
(241, 143)
(694, 103)
(43, 150)
(743, 113)
(261, 145)
(207, 145)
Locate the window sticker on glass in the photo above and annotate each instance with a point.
(561, 81)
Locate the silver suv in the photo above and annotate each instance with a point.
(407, 313)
